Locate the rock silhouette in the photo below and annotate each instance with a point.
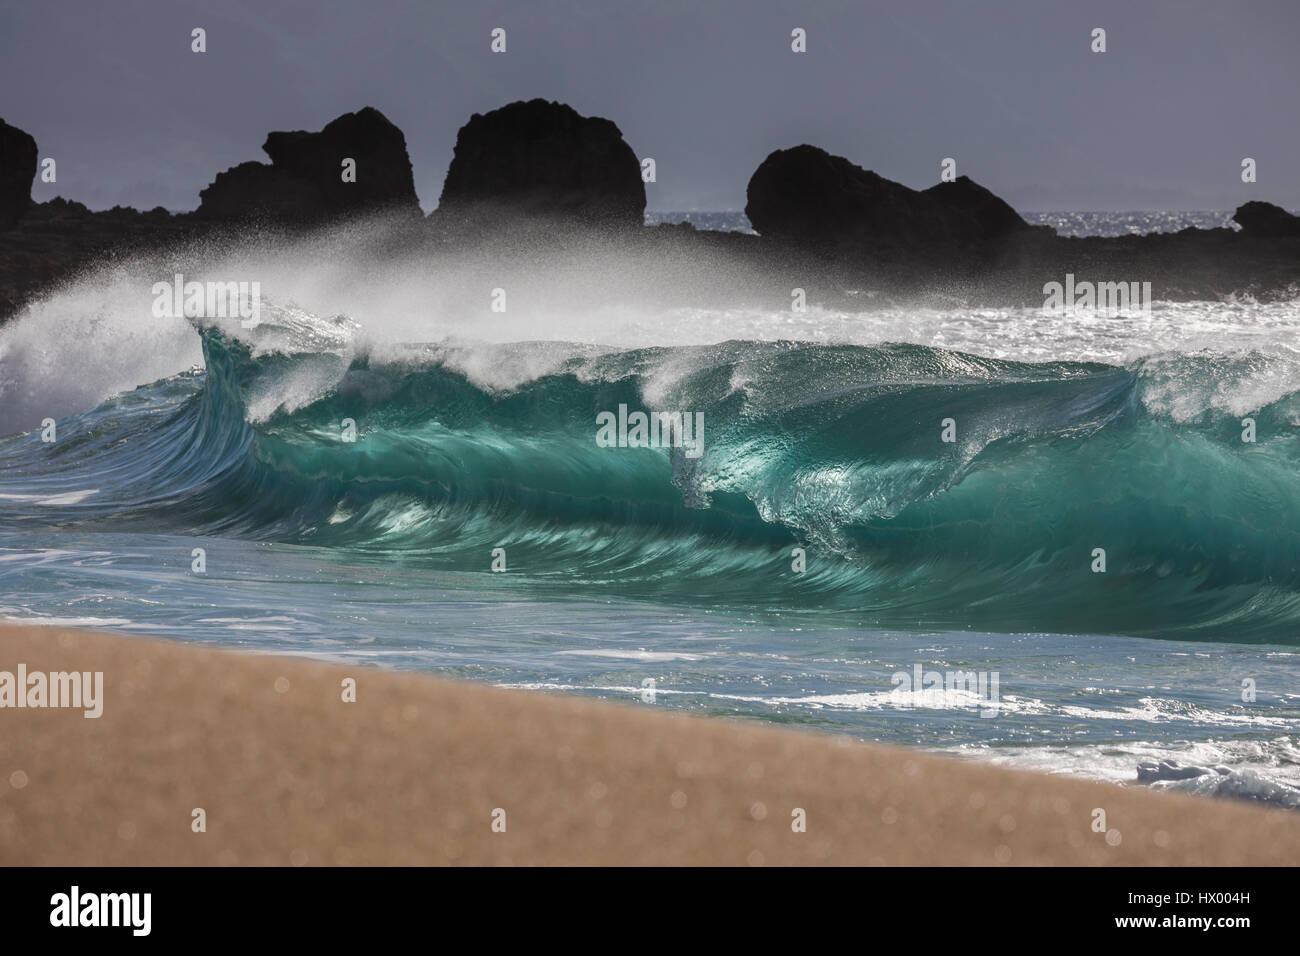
(17, 170)
(257, 191)
(809, 196)
(304, 181)
(1267, 221)
(542, 160)
(538, 175)
(974, 214)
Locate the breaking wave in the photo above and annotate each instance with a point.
(833, 449)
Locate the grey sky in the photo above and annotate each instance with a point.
(708, 88)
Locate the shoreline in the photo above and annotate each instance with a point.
(414, 771)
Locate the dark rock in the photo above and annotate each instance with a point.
(258, 191)
(304, 181)
(889, 246)
(56, 239)
(60, 208)
(1267, 221)
(976, 213)
(384, 179)
(808, 196)
(17, 171)
(543, 160)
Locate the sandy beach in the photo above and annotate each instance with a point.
(416, 770)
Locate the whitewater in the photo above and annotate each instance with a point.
(826, 538)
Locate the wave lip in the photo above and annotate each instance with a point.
(1217, 781)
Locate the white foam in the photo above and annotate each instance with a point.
(641, 655)
(96, 336)
(67, 498)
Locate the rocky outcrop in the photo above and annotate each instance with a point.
(808, 196)
(383, 180)
(304, 181)
(974, 214)
(17, 170)
(258, 191)
(851, 238)
(57, 238)
(545, 161)
(1266, 221)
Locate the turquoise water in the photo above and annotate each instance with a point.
(825, 544)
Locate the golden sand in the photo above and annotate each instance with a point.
(417, 769)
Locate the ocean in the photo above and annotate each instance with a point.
(1066, 223)
(1065, 521)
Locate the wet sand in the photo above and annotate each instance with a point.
(416, 770)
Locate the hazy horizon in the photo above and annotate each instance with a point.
(1011, 90)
